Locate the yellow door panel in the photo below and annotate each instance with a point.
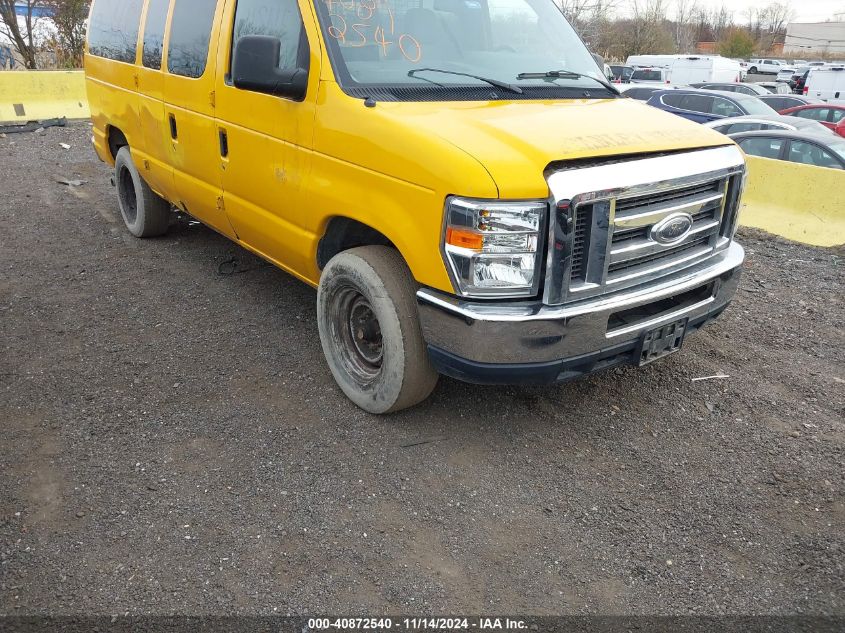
(268, 139)
(189, 111)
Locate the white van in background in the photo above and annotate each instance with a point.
(686, 69)
(826, 83)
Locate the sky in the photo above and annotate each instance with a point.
(805, 10)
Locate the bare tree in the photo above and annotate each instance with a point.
(69, 17)
(22, 37)
(685, 30)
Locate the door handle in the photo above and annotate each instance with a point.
(224, 142)
(174, 133)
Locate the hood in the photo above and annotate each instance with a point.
(516, 140)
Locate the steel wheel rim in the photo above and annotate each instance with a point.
(357, 335)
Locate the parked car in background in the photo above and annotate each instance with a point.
(765, 66)
(754, 122)
(774, 87)
(707, 105)
(621, 73)
(685, 69)
(785, 73)
(818, 150)
(826, 83)
(642, 92)
(829, 115)
(746, 89)
(782, 102)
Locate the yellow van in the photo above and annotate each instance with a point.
(456, 177)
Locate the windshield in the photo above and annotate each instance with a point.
(377, 42)
(753, 105)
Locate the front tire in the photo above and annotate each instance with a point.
(370, 331)
(145, 213)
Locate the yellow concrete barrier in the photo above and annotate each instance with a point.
(799, 202)
(42, 94)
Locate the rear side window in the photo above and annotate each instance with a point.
(113, 32)
(647, 75)
(276, 18)
(723, 107)
(154, 33)
(190, 33)
(762, 146)
(696, 103)
(672, 100)
(837, 115)
(815, 114)
(812, 154)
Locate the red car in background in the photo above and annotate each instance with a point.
(830, 116)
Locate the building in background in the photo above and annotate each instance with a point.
(815, 39)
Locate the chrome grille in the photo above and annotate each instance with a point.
(602, 240)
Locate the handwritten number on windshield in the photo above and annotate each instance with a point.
(365, 10)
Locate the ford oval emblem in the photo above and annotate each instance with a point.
(672, 228)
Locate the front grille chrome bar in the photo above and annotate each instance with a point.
(604, 217)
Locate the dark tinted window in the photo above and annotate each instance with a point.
(154, 33)
(113, 32)
(276, 18)
(697, 103)
(672, 100)
(190, 32)
(647, 75)
(762, 146)
(780, 103)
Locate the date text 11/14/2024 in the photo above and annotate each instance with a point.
(417, 624)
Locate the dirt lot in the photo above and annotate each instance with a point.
(172, 442)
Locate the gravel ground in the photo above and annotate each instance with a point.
(172, 442)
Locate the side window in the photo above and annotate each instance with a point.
(154, 33)
(113, 31)
(762, 146)
(696, 103)
(811, 154)
(815, 114)
(190, 32)
(672, 100)
(836, 115)
(276, 18)
(723, 107)
(747, 127)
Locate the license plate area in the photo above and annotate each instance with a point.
(662, 341)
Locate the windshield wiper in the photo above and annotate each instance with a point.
(566, 74)
(493, 82)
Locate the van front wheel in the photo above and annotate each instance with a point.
(144, 212)
(370, 331)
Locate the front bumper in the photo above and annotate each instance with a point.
(532, 343)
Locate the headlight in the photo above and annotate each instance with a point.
(492, 247)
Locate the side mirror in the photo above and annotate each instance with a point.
(256, 67)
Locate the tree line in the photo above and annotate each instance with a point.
(619, 28)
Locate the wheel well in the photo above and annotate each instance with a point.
(344, 233)
(117, 139)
